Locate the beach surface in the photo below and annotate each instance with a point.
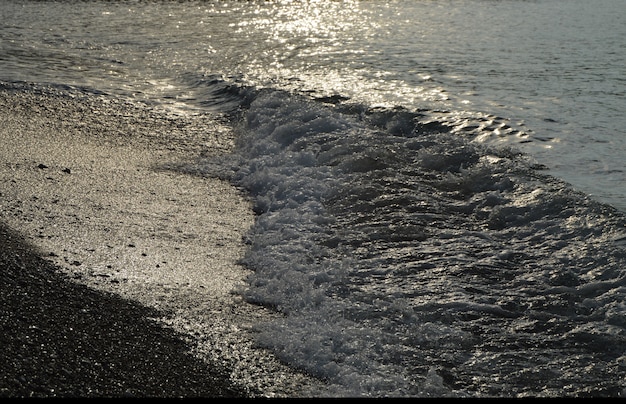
(86, 196)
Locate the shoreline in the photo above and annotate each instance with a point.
(80, 182)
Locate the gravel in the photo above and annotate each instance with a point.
(63, 339)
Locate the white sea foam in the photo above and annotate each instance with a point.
(396, 256)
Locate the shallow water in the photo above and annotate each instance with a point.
(409, 261)
(406, 164)
(545, 76)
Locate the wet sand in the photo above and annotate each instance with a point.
(82, 182)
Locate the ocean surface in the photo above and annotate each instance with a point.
(439, 186)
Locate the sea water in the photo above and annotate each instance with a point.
(439, 185)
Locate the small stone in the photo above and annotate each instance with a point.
(67, 170)
(42, 166)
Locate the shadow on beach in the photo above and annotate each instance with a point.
(60, 338)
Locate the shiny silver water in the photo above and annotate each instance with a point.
(545, 76)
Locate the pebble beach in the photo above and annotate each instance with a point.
(120, 276)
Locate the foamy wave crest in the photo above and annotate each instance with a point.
(409, 260)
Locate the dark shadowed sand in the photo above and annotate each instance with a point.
(142, 299)
(60, 338)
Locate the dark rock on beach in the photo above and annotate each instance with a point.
(62, 339)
